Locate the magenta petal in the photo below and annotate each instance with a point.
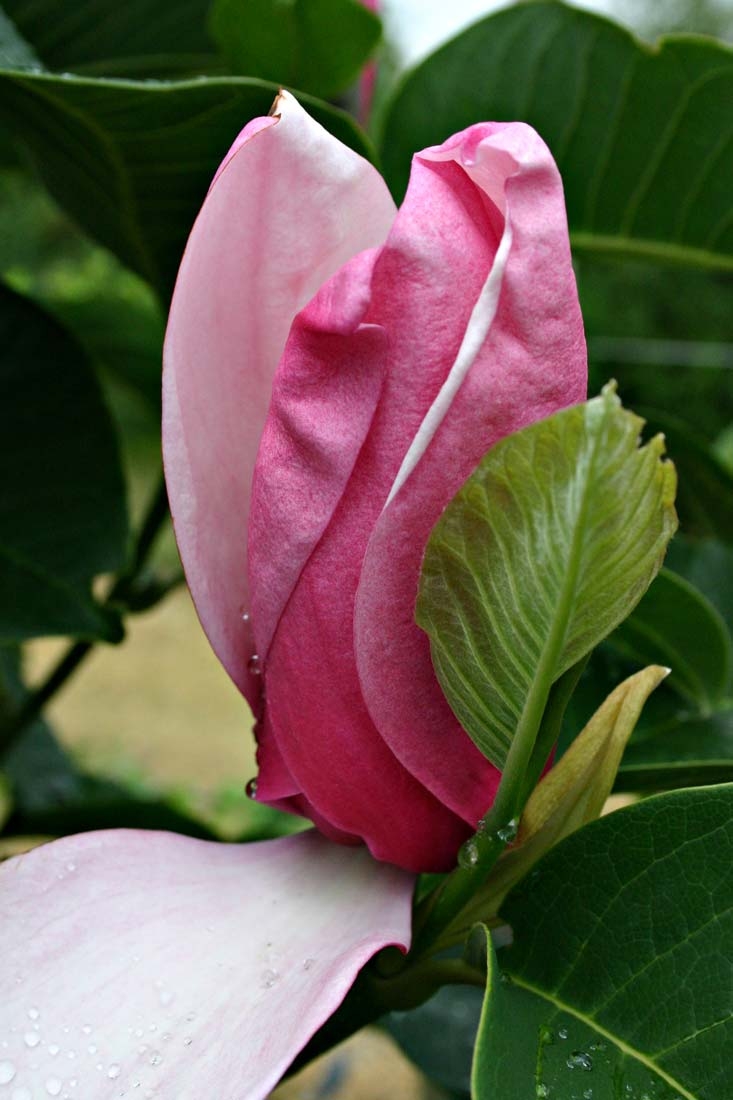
(289, 206)
(150, 964)
(523, 358)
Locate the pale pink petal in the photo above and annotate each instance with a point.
(523, 357)
(153, 965)
(289, 206)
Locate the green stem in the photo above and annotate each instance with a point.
(36, 700)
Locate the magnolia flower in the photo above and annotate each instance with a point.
(335, 369)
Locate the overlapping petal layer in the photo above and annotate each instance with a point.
(289, 205)
(153, 965)
(474, 301)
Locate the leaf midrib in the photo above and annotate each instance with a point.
(590, 1022)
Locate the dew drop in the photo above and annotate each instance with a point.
(87, 1029)
(53, 1086)
(31, 1039)
(7, 1072)
(139, 1032)
(468, 854)
(71, 1054)
(155, 1058)
(92, 1048)
(187, 1041)
(244, 615)
(563, 1033)
(251, 788)
(254, 665)
(269, 978)
(33, 1013)
(542, 1091)
(308, 964)
(165, 997)
(588, 1095)
(53, 1049)
(579, 1060)
(114, 1071)
(508, 832)
(70, 866)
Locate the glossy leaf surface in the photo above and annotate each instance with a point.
(642, 136)
(63, 515)
(653, 1014)
(131, 162)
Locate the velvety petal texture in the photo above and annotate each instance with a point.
(153, 965)
(289, 205)
(479, 333)
(408, 363)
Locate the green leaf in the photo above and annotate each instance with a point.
(15, 52)
(675, 625)
(62, 516)
(439, 1036)
(620, 974)
(131, 162)
(137, 38)
(708, 566)
(685, 750)
(642, 136)
(316, 45)
(547, 547)
(705, 495)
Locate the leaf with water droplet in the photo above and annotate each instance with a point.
(548, 546)
(644, 1001)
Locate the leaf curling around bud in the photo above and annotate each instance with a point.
(547, 547)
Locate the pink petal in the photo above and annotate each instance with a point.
(528, 361)
(179, 968)
(482, 334)
(288, 207)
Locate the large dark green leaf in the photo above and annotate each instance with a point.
(705, 493)
(316, 45)
(439, 1036)
(675, 625)
(547, 547)
(619, 980)
(643, 138)
(685, 750)
(62, 511)
(136, 38)
(131, 162)
(708, 565)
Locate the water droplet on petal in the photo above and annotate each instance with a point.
(251, 788)
(33, 1013)
(53, 1086)
(187, 1041)
(53, 1049)
(269, 978)
(244, 614)
(254, 665)
(70, 866)
(155, 1058)
(7, 1072)
(87, 1029)
(31, 1039)
(308, 964)
(579, 1060)
(165, 997)
(114, 1071)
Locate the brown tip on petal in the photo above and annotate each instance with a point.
(274, 111)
